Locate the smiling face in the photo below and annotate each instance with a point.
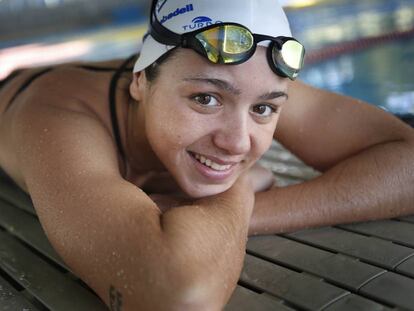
(207, 123)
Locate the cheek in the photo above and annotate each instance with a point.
(162, 131)
(263, 138)
(172, 129)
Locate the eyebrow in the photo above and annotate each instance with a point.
(221, 84)
(273, 95)
(228, 87)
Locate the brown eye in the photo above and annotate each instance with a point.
(206, 100)
(264, 110)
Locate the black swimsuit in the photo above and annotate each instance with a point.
(112, 90)
(112, 102)
(24, 86)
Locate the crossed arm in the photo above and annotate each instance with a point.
(364, 153)
(109, 232)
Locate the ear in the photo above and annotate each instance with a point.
(138, 86)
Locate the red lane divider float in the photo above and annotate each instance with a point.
(351, 46)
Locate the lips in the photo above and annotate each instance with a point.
(210, 163)
(213, 168)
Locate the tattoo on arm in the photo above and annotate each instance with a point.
(115, 299)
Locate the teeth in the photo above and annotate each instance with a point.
(211, 164)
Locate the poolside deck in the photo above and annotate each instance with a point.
(366, 267)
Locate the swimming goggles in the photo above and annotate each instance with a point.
(232, 44)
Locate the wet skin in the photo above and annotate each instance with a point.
(198, 112)
(57, 143)
(218, 114)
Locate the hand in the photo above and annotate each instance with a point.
(166, 193)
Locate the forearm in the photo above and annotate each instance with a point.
(212, 236)
(374, 184)
(192, 260)
(134, 256)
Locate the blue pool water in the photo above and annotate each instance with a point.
(382, 75)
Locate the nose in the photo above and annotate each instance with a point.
(234, 135)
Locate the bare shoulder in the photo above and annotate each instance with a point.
(57, 152)
(82, 81)
(68, 99)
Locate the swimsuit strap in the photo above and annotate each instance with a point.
(112, 102)
(25, 85)
(10, 77)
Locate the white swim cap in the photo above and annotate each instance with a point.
(264, 17)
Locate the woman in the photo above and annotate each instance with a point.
(184, 131)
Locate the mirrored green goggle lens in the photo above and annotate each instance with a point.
(292, 53)
(226, 44)
(289, 59)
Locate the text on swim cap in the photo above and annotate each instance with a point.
(179, 11)
(200, 22)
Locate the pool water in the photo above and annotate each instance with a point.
(382, 75)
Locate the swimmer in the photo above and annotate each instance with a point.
(143, 171)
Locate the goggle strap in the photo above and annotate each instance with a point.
(161, 33)
(166, 36)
